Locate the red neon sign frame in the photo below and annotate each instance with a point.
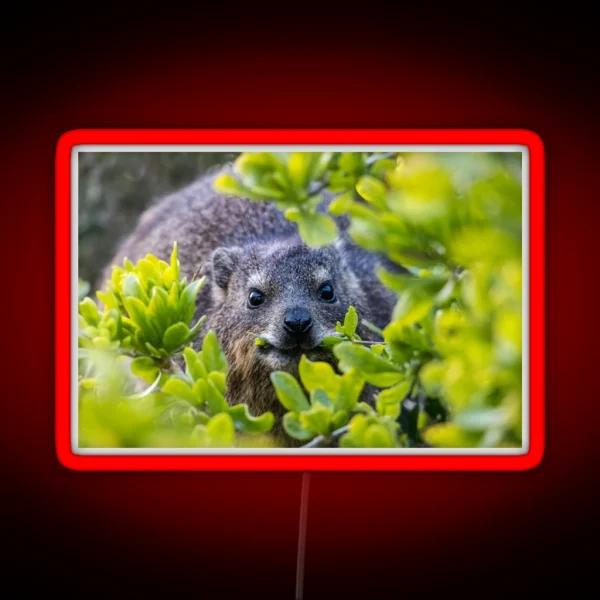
(305, 462)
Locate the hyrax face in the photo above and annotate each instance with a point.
(289, 295)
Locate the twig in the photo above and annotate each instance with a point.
(374, 159)
(147, 391)
(322, 438)
(412, 386)
(131, 354)
(319, 189)
(363, 342)
(371, 160)
(177, 369)
(366, 343)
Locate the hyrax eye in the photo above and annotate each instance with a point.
(327, 293)
(255, 298)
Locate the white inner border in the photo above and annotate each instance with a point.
(305, 148)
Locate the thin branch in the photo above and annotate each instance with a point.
(316, 442)
(373, 159)
(175, 368)
(319, 189)
(133, 354)
(363, 342)
(413, 384)
(147, 391)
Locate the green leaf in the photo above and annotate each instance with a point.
(317, 419)
(170, 277)
(133, 288)
(448, 435)
(229, 185)
(373, 368)
(137, 313)
(222, 430)
(180, 389)
(381, 167)
(350, 322)
(145, 367)
(342, 204)
(316, 229)
(187, 300)
(356, 432)
(321, 397)
(372, 190)
(405, 340)
(175, 262)
(351, 162)
(294, 428)
(196, 328)
(149, 270)
(158, 308)
(89, 311)
(411, 309)
(378, 436)
(289, 392)
(300, 168)
(318, 375)
(173, 301)
(194, 367)
(245, 422)
(201, 391)
(339, 419)
(214, 358)
(219, 379)
(351, 387)
(216, 401)
(331, 340)
(395, 394)
(175, 336)
(389, 410)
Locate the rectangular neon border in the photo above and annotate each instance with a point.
(363, 461)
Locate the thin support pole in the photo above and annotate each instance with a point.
(302, 537)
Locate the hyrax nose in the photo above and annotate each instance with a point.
(297, 322)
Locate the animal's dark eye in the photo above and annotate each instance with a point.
(255, 298)
(327, 293)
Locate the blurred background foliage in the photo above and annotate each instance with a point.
(116, 187)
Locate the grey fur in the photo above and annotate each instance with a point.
(239, 244)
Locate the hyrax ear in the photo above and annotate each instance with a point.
(224, 262)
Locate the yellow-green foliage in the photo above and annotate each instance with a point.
(448, 373)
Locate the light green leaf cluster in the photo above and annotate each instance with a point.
(147, 309)
(203, 385)
(322, 404)
(454, 340)
(294, 182)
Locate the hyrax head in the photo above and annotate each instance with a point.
(287, 294)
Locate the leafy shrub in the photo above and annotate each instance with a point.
(448, 372)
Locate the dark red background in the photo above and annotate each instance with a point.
(387, 535)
